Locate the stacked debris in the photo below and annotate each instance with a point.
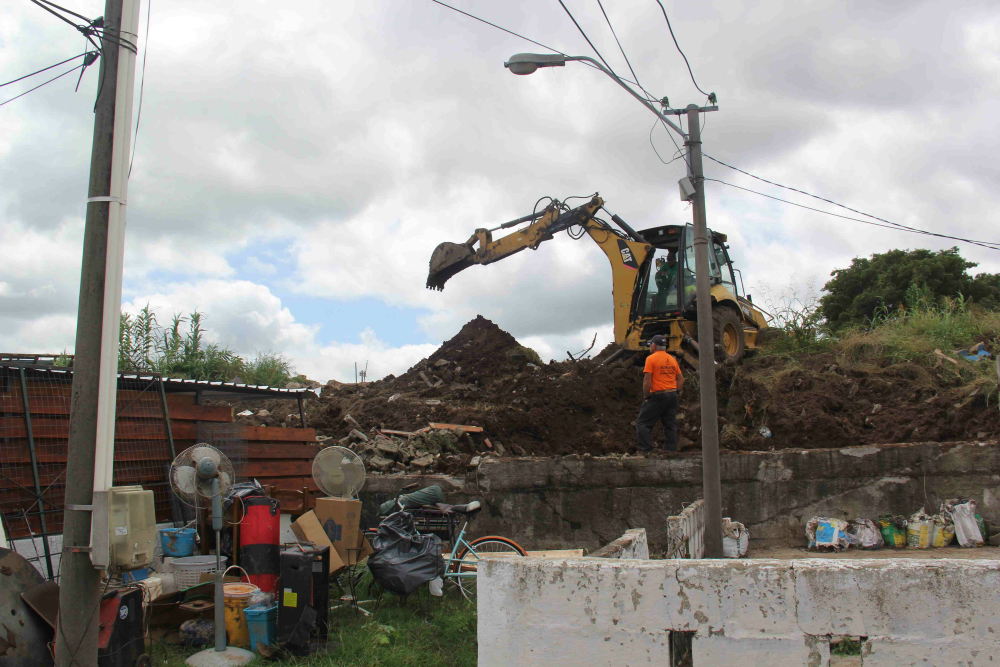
(495, 398)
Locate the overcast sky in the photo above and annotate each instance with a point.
(297, 163)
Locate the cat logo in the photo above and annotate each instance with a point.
(628, 259)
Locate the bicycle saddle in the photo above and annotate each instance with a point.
(468, 508)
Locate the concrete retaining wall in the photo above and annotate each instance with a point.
(602, 611)
(588, 502)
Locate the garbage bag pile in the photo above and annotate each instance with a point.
(956, 518)
(404, 559)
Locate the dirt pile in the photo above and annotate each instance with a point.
(484, 379)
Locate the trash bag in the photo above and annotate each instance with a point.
(404, 559)
(826, 532)
(919, 530)
(735, 539)
(944, 531)
(893, 529)
(430, 495)
(963, 514)
(864, 534)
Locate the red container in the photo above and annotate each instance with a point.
(260, 534)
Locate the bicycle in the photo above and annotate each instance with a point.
(461, 565)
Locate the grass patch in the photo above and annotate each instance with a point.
(424, 631)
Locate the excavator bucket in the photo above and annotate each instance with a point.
(447, 260)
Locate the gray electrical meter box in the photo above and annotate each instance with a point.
(122, 528)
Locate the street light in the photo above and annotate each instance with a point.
(528, 63)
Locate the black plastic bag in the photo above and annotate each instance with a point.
(404, 560)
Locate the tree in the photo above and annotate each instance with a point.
(881, 281)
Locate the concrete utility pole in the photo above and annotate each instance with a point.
(95, 366)
(710, 473)
(528, 63)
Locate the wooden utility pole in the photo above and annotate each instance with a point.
(95, 365)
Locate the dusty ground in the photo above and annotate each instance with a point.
(483, 377)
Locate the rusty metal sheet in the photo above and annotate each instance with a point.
(24, 635)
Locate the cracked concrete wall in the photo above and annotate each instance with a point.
(573, 502)
(621, 612)
(631, 545)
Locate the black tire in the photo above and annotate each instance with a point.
(467, 559)
(730, 344)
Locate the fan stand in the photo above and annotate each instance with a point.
(221, 654)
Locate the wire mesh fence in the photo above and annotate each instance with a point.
(34, 432)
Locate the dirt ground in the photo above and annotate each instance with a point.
(482, 377)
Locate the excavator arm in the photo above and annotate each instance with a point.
(625, 249)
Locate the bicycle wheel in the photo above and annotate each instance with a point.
(468, 560)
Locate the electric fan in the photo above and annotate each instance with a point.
(203, 471)
(339, 472)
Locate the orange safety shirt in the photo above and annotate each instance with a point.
(664, 371)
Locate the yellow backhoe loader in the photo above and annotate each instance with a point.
(652, 277)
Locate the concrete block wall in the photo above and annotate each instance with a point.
(781, 613)
(573, 502)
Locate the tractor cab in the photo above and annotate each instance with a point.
(667, 284)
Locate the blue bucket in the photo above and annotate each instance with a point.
(263, 626)
(135, 575)
(177, 542)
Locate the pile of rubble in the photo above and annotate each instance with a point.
(482, 394)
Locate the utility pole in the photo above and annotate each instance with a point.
(710, 473)
(95, 366)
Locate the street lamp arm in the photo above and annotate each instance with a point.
(634, 94)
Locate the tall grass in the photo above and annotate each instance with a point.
(179, 351)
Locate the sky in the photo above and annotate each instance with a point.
(295, 165)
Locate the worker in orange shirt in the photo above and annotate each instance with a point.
(661, 382)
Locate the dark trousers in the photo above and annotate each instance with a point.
(662, 407)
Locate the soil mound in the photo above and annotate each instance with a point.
(485, 379)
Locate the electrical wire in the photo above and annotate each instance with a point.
(671, 29)
(42, 84)
(511, 32)
(634, 75)
(568, 13)
(142, 87)
(678, 154)
(43, 69)
(829, 201)
(894, 226)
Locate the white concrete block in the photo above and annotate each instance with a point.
(887, 652)
(796, 651)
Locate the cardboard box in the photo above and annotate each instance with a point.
(308, 529)
(341, 519)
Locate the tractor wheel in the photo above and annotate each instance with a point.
(729, 343)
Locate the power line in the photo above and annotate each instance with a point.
(42, 84)
(824, 199)
(634, 75)
(142, 87)
(670, 28)
(44, 69)
(894, 226)
(568, 13)
(93, 27)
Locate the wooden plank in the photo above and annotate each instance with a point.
(147, 409)
(449, 427)
(13, 427)
(136, 472)
(391, 432)
(274, 468)
(269, 433)
(16, 451)
(282, 451)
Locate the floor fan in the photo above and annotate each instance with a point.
(203, 471)
(340, 473)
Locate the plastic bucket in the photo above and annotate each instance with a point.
(135, 575)
(177, 542)
(237, 597)
(262, 625)
(188, 571)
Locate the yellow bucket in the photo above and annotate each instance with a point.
(237, 597)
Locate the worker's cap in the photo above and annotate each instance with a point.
(658, 340)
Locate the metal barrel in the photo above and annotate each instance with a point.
(260, 539)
